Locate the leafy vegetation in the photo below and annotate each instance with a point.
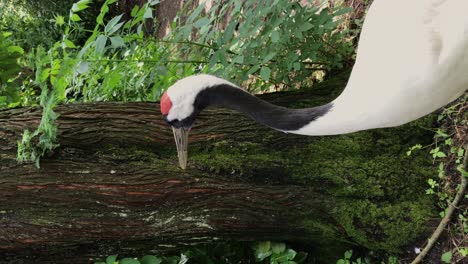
(9, 69)
(281, 42)
(262, 252)
(118, 62)
(32, 22)
(51, 53)
(448, 151)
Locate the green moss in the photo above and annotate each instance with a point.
(378, 191)
(249, 160)
(385, 226)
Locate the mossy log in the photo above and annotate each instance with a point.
(114, 186)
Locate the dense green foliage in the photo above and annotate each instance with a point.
(262, 253)
(9, 69)
(73, 55)
(32, 22)
(117, 62)
(280, 41)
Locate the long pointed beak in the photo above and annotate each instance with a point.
(181, 139)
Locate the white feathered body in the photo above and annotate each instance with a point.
(412, 59)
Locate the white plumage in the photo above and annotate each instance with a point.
(412, 59)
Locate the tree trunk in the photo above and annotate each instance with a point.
(113, 185)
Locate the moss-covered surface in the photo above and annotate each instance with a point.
(378, 191)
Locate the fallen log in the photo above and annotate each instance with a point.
(113, 185)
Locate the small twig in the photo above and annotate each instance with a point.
(431, 241)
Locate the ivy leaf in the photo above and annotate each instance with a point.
(348, 254)
(150, 260)
(278, 248)
(446, 257)
(129, 261)
(111, 259)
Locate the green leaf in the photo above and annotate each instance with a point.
(111, 259)
(296, 66)
(291, 254)
(17, 49)
(116, 41)
(129, 261)
(238, 59)
(265, 73)
(342, 11)
(150, 260)
(263, 246)
(80, 5)
(348, 254)
(135, 11)
(254, 69)
(229, 32)
(75, 18)
(100, 44)
(275, 36)
(69, 44)
(446, 257)
(269, 57)
(278, 248)
(306, 26)
(201, 22)
(112, 26)
(300, 257)
(148, 13)
(59, 20)
(463, 172)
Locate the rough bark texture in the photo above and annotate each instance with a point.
(113, 185)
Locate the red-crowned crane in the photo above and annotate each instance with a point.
(412, 59)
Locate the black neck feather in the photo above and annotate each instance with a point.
(277, 117)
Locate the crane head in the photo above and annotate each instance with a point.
(181, 104)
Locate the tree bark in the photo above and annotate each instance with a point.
(113, 185)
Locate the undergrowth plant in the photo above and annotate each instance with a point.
(9, 70)
(282, 42)
(448, 151)
(348, 259)
(32, 21)
(222, 253)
